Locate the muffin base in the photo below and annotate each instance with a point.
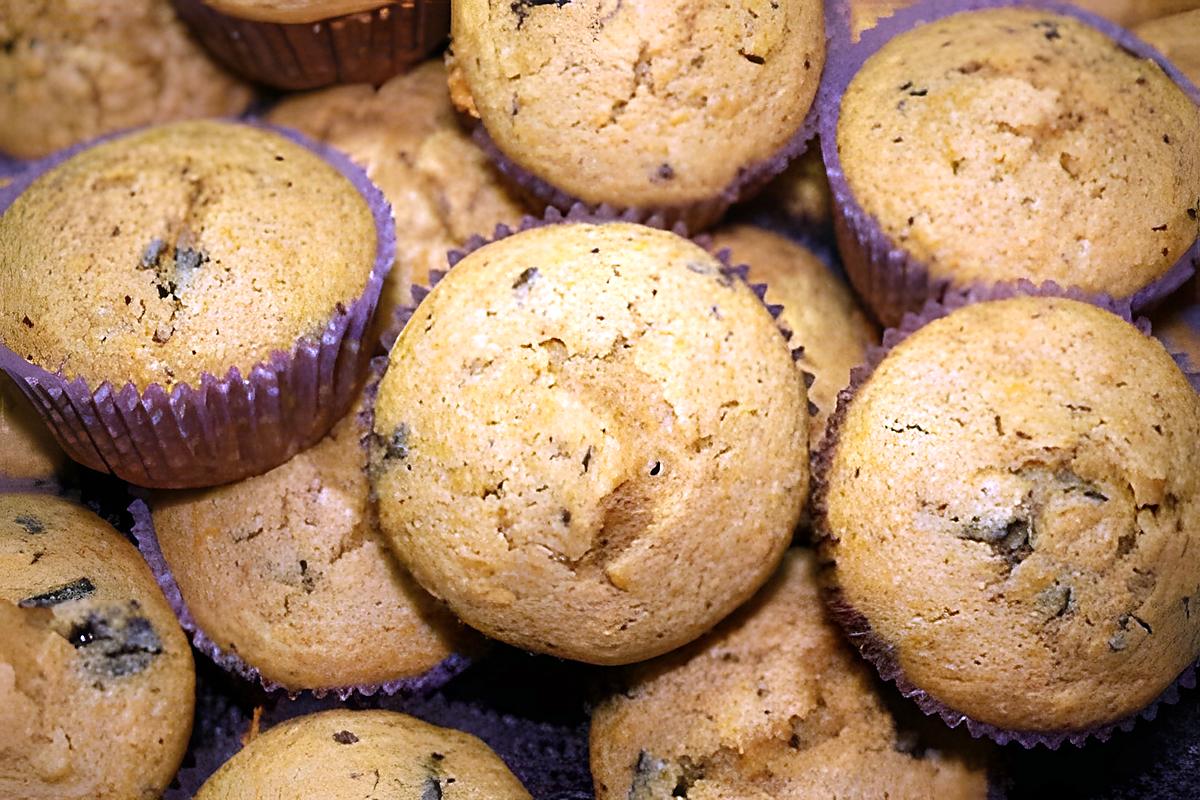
(147, 542)
(225, 428)
(877, 651)
(889, 278)
(365, 47)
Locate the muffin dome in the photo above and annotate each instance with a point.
(1010, 143)
(96, 678)
(770, 704)
(591, 441)
(1010, 507)
(639, 104)
(343, 755)
(179, 250)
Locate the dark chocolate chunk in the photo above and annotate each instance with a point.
(525, 278)
(397, 446)
(116, 641)
(665, 172)
(432, 790)
(1009, 539)
(80, 587)
(31, 524)
(1049, 29)
(345, 737)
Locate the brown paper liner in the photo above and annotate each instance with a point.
(364, 47)
(880, 653)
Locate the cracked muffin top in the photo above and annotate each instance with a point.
(187, 248)
(771, 704)
(634, 103)
(346, 755)
(96, 677)
(407, 137)
(1015, 143)
(591, 441)
(288, 570)
(1010, 506)
(818, 309)
(71, 71)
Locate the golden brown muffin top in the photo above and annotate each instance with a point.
(71, 71)
(407, 137)
(772, 704)
(818, 308)
(639, 104)
(1011, 504)
(96, 677)
(289, 571)
(178, 250)
(1015, 143)
(346, 755)
(593, 442)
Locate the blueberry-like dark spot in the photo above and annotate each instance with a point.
(80, 587)
(345, 737)
(151, 254)
(1049, 29)
(30, 523)
(116, 641)
(397, 445)
(656, 469)
(665, 172)
(432, 789)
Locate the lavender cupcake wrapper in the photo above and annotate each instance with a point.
(224, 428)
(890, 279)
(857, 628)
(147, 542)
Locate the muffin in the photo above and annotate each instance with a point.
(1008, 508)
(1178, 328)
(306, 44)
(196, 253)
(406, 136)
(1033, 146)
(770, 704)
(287, 573)
(1178, 38)
(339, 755)
(28, 451)
(799, 196)
(640, 105)
(818, 309)
(71, 71)
(603, 453)
(96, 678)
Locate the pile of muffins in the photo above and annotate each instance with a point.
(824, 375)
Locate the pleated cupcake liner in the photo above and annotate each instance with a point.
(882, 654)
(362, 47)
(890, 279)
(695, 215)
(222, 428)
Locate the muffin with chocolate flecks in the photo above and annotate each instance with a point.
(96, 678)
(1178, 38)
(591, 441)
(1009, 507)
(222, 275)
(287, 571)
(770, 704)
(640, 105)
(28, 451)
(1010, 143)
(71, 71)
(339, 755)
(406, 135)
(818, 309)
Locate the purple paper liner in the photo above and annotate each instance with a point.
(229, 427)
(696, 215)
(147, 542)
(873, 647)
(889, 278)
(360, 47)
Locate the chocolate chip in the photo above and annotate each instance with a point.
(31, 524)
(345, 737)
(526, 278)
(151, 254)
(665, 172)
(80, 587)
(397, 446)
(1009, 539)
(116, 641)
(1049, 29)
(432, 790)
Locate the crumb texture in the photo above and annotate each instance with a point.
(650, 462)
(71, 70)
(96, 677)
(1014, 143)
(771, 704)
(1012, 505)
(639, 104)
(180, 250)
(347, 755)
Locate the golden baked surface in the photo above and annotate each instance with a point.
(27, 448)
(592, 442)
(1014, 504)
